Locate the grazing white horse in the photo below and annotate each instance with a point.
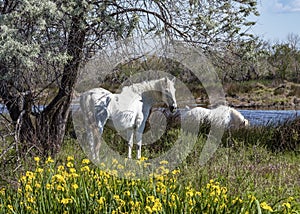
(127, 111)
(222, 116)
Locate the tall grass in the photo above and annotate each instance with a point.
(254, 170)
(75, 186)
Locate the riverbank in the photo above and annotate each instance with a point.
(263, 95)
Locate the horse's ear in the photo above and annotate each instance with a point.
(173, 79)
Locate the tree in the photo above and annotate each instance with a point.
(243, 60)
(285, 59)
(44, 43)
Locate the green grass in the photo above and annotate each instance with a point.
(76, 186)
(247, 174)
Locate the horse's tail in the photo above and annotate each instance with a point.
(92, 138)
(87, 106)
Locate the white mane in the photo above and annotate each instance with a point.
(144, 86)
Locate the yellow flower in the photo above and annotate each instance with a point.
(237, 199)
(115, 161)
(164, 162)
(30, 175)
(37, 159)
(72, 170)
(48, 186)
(198, 193)
(2, 191)
(85, 161)
(150, 198)
(157, 206)
(74, 186)
(224, 190)
(10, 207)
(60, 168)
(28, 188)
(143, 158)
(37, 185)
(148, 209)
(30, 200)
(101, 201)
(116, 197)
(252, 198)
(189, 193)
(29, 208)
(70, 158)
(176, 171)
(85, 169)
(174, 197)
(39, 170)
(127, 193)
(287, 205)
(23, 179)
(49, 160)
(265, 206)
(74, 175)
(114, 172)
(60, 188)
(70, 164)
(192, 202)
(58, 178)
(120, 166)
(66, 201)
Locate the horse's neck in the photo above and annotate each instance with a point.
(153, 85)
(236, 116)
(149, 91)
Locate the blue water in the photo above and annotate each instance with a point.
(256, 117)
(266, 117)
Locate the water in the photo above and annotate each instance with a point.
(265, 117)
(256, 117)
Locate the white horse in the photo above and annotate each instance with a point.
(128, 110)
(222, 116)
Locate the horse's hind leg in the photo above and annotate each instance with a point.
(130, 142)
(139, 136)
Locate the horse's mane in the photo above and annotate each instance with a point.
(143, 86)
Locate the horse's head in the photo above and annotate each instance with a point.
(238, 119)
(168, 93)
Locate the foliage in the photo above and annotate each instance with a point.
(254, 59)
(276, 137)
(75, 186)
(285, 60)
(46, 42)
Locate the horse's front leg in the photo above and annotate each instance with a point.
(130, 142)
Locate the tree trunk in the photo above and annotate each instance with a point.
(51, 123)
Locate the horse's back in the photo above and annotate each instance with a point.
(197, 113)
